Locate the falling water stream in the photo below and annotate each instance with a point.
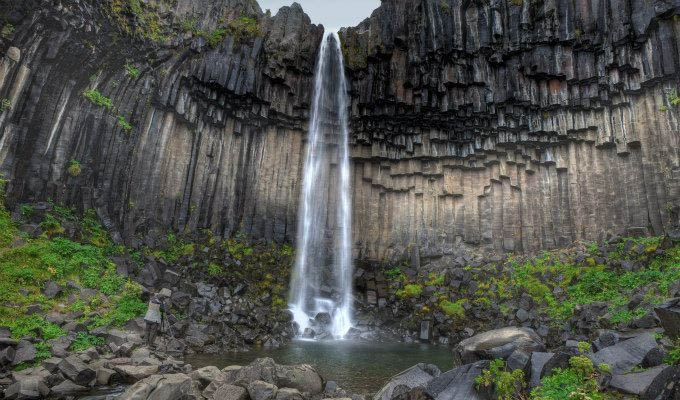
(322, 278)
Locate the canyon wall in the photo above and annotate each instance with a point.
(499, 125)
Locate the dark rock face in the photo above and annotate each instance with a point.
(511, 127)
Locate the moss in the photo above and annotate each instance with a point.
(74, 168)
(409, 291)
(355, 56)
(98, 99)
(445, 7)
(453, 309)
(126, 126)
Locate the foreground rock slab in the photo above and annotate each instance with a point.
(649, 384)
(415, 377)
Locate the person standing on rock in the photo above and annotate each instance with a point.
(155, 315)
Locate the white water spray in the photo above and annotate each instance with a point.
(322, 278)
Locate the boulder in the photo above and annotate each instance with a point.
(457, 384)
(105, 376)
(51, 289)
(67, 388)
(27, 388)
(288, 394)
(648, 384)
(623, 356)
(669, 316)
(323, 318)
(60, 345)
(76, 370)
(537, 362)
(417, 376)
(301, 377)
(559, 359)
(134, 373)
(7, 355)
(25, 352)
(262, 369)
(206, 375)
(260, 390)
(519, 359)
(229, 392)
(161, 387)
(51, 364)
(498, 343)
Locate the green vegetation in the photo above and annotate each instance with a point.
(5, 105)
(174, 249)
(577, 382)
(410, 290)
(25, 269)
(74, 168)
(131, 70)
(453, 309)
(673, 98)
(26, 210)
(507, 385)
(7, 30)
(395, 274)
(98, 99)
(138, 18)
(518, 3)
(84, 341)
(244, 29)
(446, 8)
(214, 269)
(673, 356)
(127, 127)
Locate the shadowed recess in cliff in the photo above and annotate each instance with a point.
(321, 285)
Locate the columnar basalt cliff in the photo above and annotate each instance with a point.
(502, 125)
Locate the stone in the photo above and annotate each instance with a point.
(559, 359)
(537, 362)
(522, 315)
(648, 384)
(105, 376)
(259, 390)
(134, 373)
(25, 352)
(51, 289)
(27, 388)
(51, 364)
(323, 318)
(605, 339)
(519, 359)
(14, 54)
(262, 369)
(288, 394)
(425, 330)
(67, 388)
(77, 371)
(623, 356)
(498, 343)
(669, 317)
(7, 355)
(301, 377)
(161, 387)
(457, 384)
(230, 392)
(206, 375)
(417, 376)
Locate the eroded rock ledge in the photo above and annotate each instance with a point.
(476, 125)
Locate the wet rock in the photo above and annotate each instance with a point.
(417, 376)
(425, 330)
(323, 318)
(67, 388)
(262, 369)
(498, 343)
(157, 387)
(105, 376)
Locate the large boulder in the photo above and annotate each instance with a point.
(417, 376)
(262, 369)
(27, 388)
(648, 384)
(498, 343)
(76, 370)
(669, 315)
(25, 352)
(457, 384)
(206, 375)
(288, 394)
(134, 373)
(67, 388)
(162, 387)
(301, 377)
(623, 356)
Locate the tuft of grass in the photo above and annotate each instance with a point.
(122, 122)
(578, 381)
(673, 356)
(453, 309)
(410, 290)
(5, 104)
(84, 341)
(131, 70)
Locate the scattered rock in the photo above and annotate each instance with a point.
(67, 388)
(417, 376)
(77, 371)
(27, 388)
(623, 356)
(260, 390)
(649, 384)
(457, 384)
(301, 377)
(230, 392)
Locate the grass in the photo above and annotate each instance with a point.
(122, 122)
(74, 168)
(131, 70)
(5, 104)
(98, 99)
(84, 341)
(453, 308)
(507, 384)
(673, 356)
(410, 290)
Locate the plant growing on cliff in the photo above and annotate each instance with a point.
(673, 356)
(98, 99)
(453, 308)
(446, 8)
(84, 341)
(673, 98)
(127, 127)
(5, 104)
(131, 70)
(409, 291)
(244, 29)
(7, 30)
(355, 57)
(506, 384)
(74, 168)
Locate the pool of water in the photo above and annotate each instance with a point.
(358, 367)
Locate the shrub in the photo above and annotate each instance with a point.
(98, 99)
(506, 384)
(74, 168)
(673, 98)
(244, 29)
(51, 225)
(410, 290)
(453, 309)
(577, 382)
(214, 269)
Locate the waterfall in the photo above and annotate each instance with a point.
(322, 277)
